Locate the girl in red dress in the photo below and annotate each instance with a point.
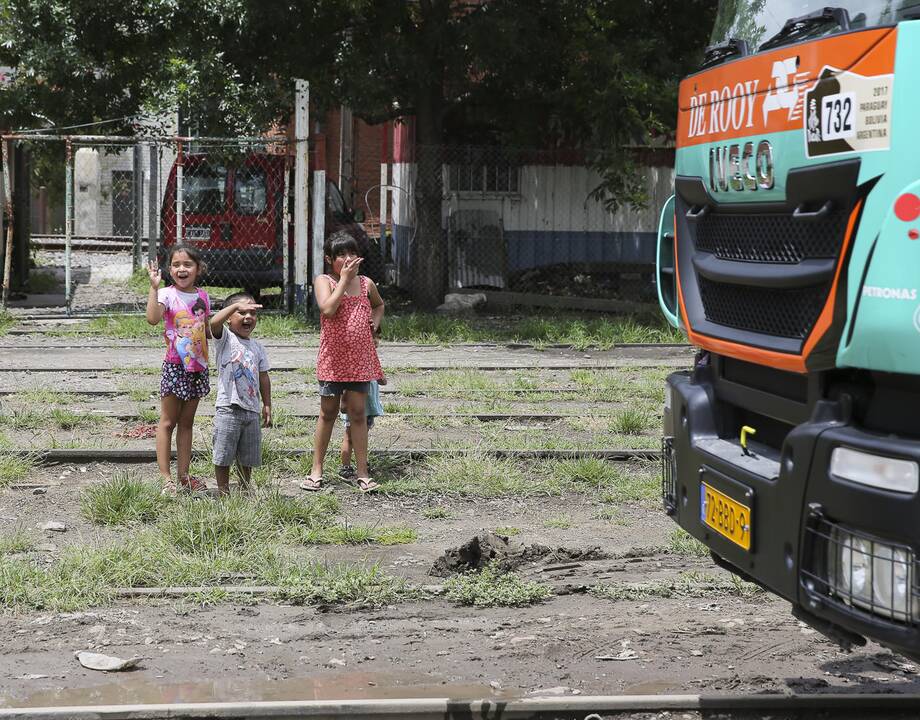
(350, 313)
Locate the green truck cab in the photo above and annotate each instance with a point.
(790, 257)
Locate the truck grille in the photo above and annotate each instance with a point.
(787, 313)
(776, 238)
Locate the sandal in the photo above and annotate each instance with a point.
(169, 490)
(367, 485)
(193, 485)
(312, 484)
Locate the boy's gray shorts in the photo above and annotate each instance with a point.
(237, 437)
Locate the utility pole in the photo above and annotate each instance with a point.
(301, 193)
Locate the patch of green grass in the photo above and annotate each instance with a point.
(18, 541)
(126, 327)
(148, 414)
(7, 321)
(284, 511)
(44, 396)
(228, 526)
(507, 530)
(15, 468)
(475, 474)
(306, 582)
(632, 421)
(139, 282)
(135, 393)
(493, 588)
(682, 543)
(70, 420)
(632, 487)
(539, 329)
(28, 419)
(123, 499)
(437, 512)
(561, 522)
(279, 327)
(691, 584)
(452, 381)
(347, 534)
(400, 408)
(587, 472)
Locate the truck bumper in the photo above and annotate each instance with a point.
(844, 554)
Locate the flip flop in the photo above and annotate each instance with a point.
(366, 485)
(312, 484)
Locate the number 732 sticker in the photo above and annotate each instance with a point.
(846, 112)
(837, 116)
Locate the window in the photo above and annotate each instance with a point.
(250, 194)
(203, 190)
(496, 175)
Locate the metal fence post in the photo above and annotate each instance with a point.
(286, 304)
(137, 191)
(7, 147)
(319, 220)
(153, 205)
(179, 208)
(68, 219)
(301, 191)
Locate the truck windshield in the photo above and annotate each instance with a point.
(756, 21)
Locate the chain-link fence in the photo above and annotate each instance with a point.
(91, 212)
(524, 221)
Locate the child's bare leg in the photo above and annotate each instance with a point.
(222, 475)
(328, 412)
(245, 478)
(184, 437)
(358, 421)
(170, 406)
(346, 447)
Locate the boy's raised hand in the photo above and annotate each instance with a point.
(246, 306)
(153, 269)
(350, 268)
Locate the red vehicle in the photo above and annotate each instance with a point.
(233, 214)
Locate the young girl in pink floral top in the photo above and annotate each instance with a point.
(351, 310)
(185, 309)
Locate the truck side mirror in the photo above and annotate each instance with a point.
(665, 275)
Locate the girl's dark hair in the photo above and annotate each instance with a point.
(339, 243)
(193, 253)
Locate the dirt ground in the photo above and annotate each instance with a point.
(575, 642)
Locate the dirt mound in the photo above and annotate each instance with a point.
(507, 554)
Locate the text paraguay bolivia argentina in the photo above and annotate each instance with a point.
(730, 108)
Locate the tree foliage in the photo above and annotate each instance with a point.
(596, 75)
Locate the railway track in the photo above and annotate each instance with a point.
(538, 708)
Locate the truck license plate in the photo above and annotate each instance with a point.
(727, 517)
(198, 233)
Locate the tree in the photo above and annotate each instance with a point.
(594, 74)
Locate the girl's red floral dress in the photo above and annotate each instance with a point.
(346, 341)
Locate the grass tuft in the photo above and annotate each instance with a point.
(492, 588)
(15, 468)
(682, 543)
(123, 500)
(18, 541)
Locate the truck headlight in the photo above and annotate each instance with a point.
(872, 575)
(875, 470)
